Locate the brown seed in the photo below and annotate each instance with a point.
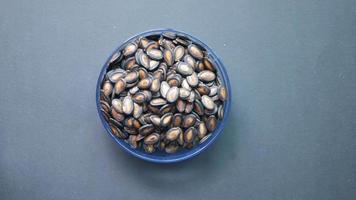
(189, 120)
(189, 134)
(120, 86)
(105, 106)
(144, 60)
(151, 139)
(181, 105)
(139, 97)
(131, 77)
(177, 120)
(195, 51)
(155, 85)
(166, 119)
(188, 107)
(130, 49)
(144, 83)
(133, 141)
(173, 133)
(208, 64)
(221, 112)
(131, 131)
(222, 93)
(198, 107)
(107, 88)
(211, 123)
(190, 60)
(116, 74)
(118, 133)
(105, 114)
(146, 129)
(136, 124)
(129, 63)
(116, 123)
(168, 57)
(116, 115)
(166, 108)
(203, 89)
(143, 42)
(117, 105)
(142, 73)
(148, 94)
(153, 109)
(202, 131)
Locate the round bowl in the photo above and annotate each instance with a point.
(158, 156)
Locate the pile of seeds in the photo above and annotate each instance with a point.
(162, 92)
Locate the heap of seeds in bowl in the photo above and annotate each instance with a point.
(162, 93)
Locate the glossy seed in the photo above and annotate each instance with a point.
(166, 119)
(116, 74)
(137, 111)
(107, 88)
(203, 89)
(139, 97)
(151, 139)
(142, 73)
(153, 65)
(184, 93)
(130, 49)
(155, 119)
(198, 107)
(155, 54)
(133, 141)
(184, 69)
(158, 102)
(155, 85)
(206, 76)
(131, 77)
(189, 134)
(195, 51)
(120, 86)
(172, 94)
(143, 42)
(177, 120)
(202, 131)
(190, 60)
(222, 93)
(168, 57)
(117, 105)
(180, 105)
(188, 107)
(189, 120)
(193, 80)
(164, 89)
(146, 129)
(169, 35)
(191, 97)
(211, 123)
(173, 133)
(166, 108)
(178, 53)
(127, 105)
(118, 133)
(186, 85)
(144, 60)
(221, 112)
(207, 102)
(144, 84)
(148, 95)
(213, 90)
(208, 64)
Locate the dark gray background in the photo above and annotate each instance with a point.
(292, 131)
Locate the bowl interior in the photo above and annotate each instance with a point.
(159, 156)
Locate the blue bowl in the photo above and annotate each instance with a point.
(159, 156)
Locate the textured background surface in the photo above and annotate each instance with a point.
(292, 133)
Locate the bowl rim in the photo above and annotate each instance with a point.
(199, 148)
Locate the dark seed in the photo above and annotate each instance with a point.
(202, 131)
(171, 148)
(181, 105)
(222, 93)
(151, 139)
(158, 102)
(155, 54)
(211, 123)
(146, 129)
(168, 57)
(208, 65)
(144, 83)
(177, 120)
(107, 88)
(195, 51)
(131, 77)
(189, 120)
(166, 119)
(189, 134)
(173, 133)
(130, 49)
